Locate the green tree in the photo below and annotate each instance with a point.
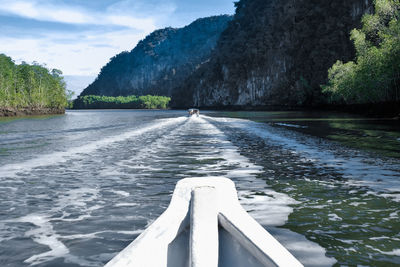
(30, 86)
(128, 102)
(375, 74)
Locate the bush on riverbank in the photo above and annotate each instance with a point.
(121, 102)
(30, 87)
(374, 77)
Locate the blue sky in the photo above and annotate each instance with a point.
(79, 37)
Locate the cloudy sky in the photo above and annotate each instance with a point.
(79, 36)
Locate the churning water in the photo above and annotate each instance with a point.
(76, 189)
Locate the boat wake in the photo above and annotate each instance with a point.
(381, 177)
(12, 170)
(82, 205)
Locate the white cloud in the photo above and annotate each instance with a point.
(83, 56)
(78, 52)
(81, 51)
(77, 83)
(144, 8)
(76, 15)
(131, 22)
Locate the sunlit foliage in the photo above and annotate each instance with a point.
(123, 102)
(30, 86)
(375, 74)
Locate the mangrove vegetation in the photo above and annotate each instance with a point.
(121, 102)
(30, 86)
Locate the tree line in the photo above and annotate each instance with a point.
(374, 75)
(121, 102)
(30, 86)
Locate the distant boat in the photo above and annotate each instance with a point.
(204, 226)
(194, 111)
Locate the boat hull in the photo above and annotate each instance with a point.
(205, 225)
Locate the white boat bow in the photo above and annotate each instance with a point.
(204, 226)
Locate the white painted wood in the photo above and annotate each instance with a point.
(203, 228)
(255, 238)
(165, 242)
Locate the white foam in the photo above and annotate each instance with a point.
(81, 236)
(242, 166)
(111, 171)
(320, 207)
(377, 175)
(11, 170)
(349, 241)
(385, 237)
(379, 238)
(394, 252)
(291, 125)
(121, 193)
(78, 197)
(334, 217)
(393, 196)
(309, 253)
(126, 205)
(9, 188)
(356, 204)
(271, 208)
(268, 207)
(44, 235)
(96, 234)
(79, 218)
(135, 232)
(140, 159)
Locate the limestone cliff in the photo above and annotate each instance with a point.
(274, 52)
(161, 61)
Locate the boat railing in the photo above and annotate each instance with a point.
(205, 226)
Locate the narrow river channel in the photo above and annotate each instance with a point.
(76, 189)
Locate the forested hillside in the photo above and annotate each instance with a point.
(271, 53)
(30, 89)
(275, 52)
(159, 62)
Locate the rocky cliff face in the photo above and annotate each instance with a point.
(161, 61)
(275, 52)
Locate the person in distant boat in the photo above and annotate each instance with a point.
(194, 111)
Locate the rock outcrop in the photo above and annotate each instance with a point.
(274, 52)
(161, 61)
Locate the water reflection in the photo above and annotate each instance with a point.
(377, 135)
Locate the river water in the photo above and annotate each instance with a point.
(76, 189)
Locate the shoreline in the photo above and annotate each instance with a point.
(16, 112)
(378, 110)
(372, 112)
